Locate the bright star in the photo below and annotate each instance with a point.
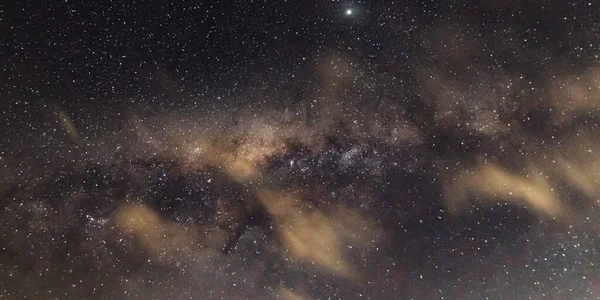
(348, 12)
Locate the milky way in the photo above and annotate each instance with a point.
(311, 150)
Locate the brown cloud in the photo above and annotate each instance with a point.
(164, 240)
(318, 236)
(492, 183)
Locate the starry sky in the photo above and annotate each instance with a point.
(300, 149)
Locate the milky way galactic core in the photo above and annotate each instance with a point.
(300, 150)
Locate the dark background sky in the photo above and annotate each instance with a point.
(83, 51)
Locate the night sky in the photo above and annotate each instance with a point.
(300, 149)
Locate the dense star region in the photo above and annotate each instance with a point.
(300, 150)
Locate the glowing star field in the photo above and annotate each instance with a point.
(300, 150)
